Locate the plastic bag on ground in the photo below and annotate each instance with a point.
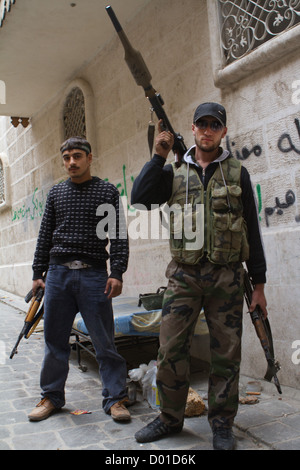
(146, 375)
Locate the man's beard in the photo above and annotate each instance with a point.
(207, 149)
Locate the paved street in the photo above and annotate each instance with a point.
(272, 423)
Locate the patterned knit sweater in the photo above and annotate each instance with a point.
(69, 226)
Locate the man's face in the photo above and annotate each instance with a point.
(208, 133)
(77, 163)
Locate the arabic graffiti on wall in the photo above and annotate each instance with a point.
(30, 209)
(122, 187)
(285, 144)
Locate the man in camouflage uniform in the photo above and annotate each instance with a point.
(206, 273)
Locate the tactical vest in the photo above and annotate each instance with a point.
(214, 217)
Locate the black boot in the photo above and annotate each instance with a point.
(156, 430)
(223, 439)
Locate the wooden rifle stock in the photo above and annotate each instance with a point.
(32, 319)
(263, 331)
(143, 78)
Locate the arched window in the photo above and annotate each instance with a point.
(74, 114)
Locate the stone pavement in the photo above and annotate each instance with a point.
(273, 423)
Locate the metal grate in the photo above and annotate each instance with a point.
(74, 114)
(246, 24)
(5, 6)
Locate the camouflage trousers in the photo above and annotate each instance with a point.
(219, 290)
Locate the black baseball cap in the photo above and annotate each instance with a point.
(211, 109)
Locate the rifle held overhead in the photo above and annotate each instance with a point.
(143, 78)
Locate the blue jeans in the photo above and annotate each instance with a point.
(69, 291)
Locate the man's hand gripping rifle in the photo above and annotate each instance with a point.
(143, 78)
(263, 331)
(33, 317)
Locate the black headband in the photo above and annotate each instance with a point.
(74, 143)
(83, 147)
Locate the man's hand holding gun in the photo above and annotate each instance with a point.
(258, 298)
(164, 141)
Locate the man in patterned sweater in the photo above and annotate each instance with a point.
(71, 249)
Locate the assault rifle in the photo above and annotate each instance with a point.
(263, 331)
(143, 78)
(33, 317)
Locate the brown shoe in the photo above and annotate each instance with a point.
(119, 411)
(42, 410)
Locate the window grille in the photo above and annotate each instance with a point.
(5, 6)
(74, 114)
(2, 185)
(246, 24)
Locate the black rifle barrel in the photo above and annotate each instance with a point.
(114, 19)
(143, 78)
(133, 57)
